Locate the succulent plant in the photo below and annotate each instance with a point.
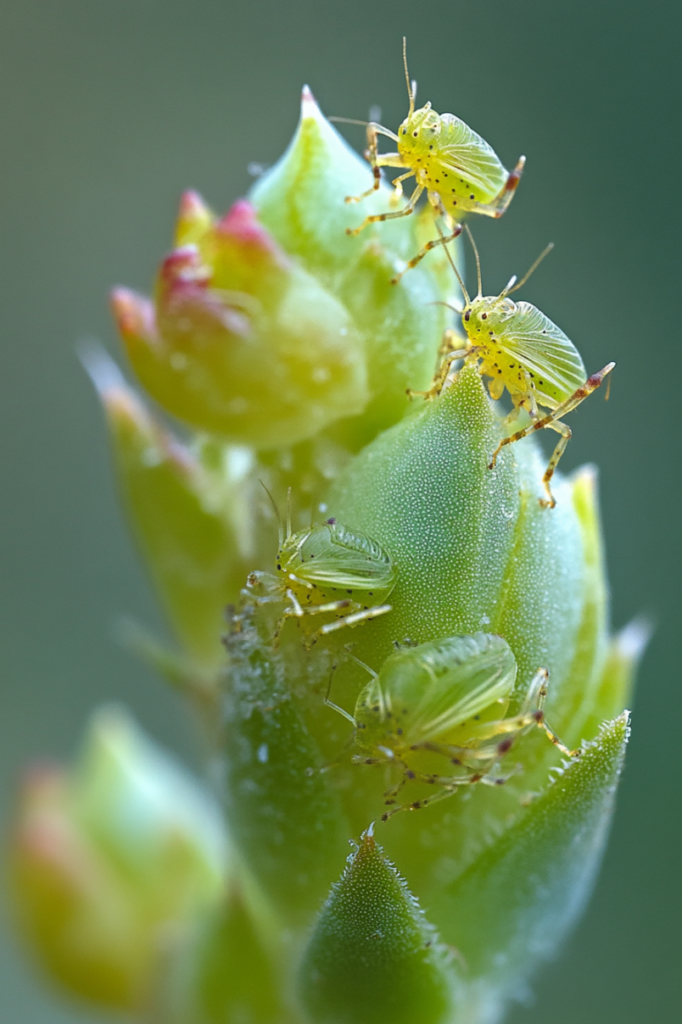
(444, 602)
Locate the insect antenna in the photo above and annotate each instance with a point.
(288, 512)
(411, 85)
(280, 532)
(477, 258)
(330, 703)
(378, 128)
(456, 271)
(349, 654)
(511, 287)
(448, 305)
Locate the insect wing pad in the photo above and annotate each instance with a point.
(335, 557)
(444, 684)
(463, 153)
(542, 348)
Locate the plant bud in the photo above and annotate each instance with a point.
(110, 861)
(240, 340)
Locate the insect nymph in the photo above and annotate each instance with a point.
(451, 698)
(325, 570)
(522, 350)
(457, 168)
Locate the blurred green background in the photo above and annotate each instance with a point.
(107, 111)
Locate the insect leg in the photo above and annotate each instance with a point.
(449, 788)
(552, 420)
(441, 240)
(293, 611)
(532, 714)
(442, 375)
(397, 183)
(352, 620)
(405, 212)
(297, 579)
(566, 434)
(498, 206)
(376, 162)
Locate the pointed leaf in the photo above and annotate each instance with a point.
(510, 909)
(372, 958)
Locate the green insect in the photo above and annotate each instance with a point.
(449, 697)
(315, 567)
(458, 170)
(522, 350)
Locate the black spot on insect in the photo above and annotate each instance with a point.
(472, 196)
(415, 134)
(504, 746)
(484, 316)
(410, 774)
(331, 521)
(400, 732)
(477, 718)
(431, 146)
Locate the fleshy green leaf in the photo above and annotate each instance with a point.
(510, 909)
(473, 548)
(284, 813)
(189, 519)
(227, 973)
(372, 958)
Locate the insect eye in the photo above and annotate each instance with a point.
(484, 316)
(467, 314)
